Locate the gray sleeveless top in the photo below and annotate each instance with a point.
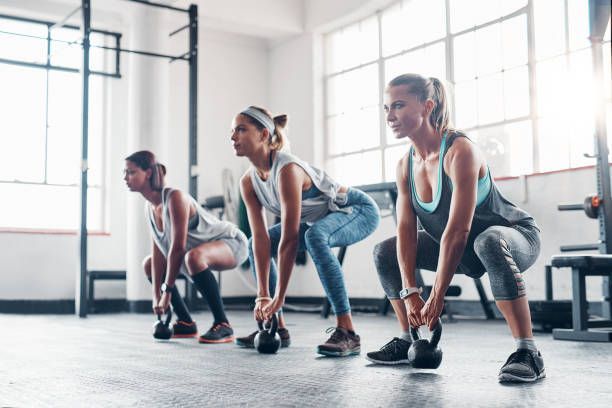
(493, 210)
(202, 227)
(313, 208)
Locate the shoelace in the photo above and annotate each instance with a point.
(523, 356)
(393, 345)
(216, 327)
(336, 336)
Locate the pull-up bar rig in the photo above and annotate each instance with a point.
(190, 56)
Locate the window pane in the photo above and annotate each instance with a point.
(508, 148)
(22, 123)
(488, 50)
(97, 129)
(404, 27)
(351, 46)
(466, 103)
(549, 16)
(427, 61)
(465, 56)
(469, 13)
(353, 90)
(354, 131)
(23, 48)
(509, 6)
(490, 95)
(578, 13)
(392, 157)
(516, 93)
(514, 41)
(357, 169)
(68, 52)
(97, 56)
(550, 74)
(553, 139)
(60, 209)
(64, 133)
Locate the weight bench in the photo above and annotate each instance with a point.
(583, 328)
(95, 275)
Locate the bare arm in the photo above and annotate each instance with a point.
(463, 164)
(259, 230)
(156, 273)
(291, 180)
(178, 206)
(406, 226)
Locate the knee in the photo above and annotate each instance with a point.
(314, 237)
(146, 266)
(489, 241)
(194, 262)
(383, 250)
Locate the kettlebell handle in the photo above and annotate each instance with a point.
(435, 336)
(274, 325)
(168, 317)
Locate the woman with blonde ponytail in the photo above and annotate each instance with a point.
(316, 215)
(186, 239)
(444, 184)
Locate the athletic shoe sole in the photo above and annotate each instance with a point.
(507, 377)
(347, 353)
(397, 362)
(184, 336)
(224, 340)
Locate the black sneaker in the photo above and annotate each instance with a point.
(183, 330)
(218, 333)
(340, 344)
(522, 366)
(249, 341)
(394, 352)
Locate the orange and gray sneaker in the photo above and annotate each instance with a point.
(218, 333)
(341, 343)
(183, 330)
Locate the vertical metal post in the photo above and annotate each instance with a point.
(599, 14)
(81, 287)
(193, 100)
(190, 292)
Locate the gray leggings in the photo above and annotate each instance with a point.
(504, 252)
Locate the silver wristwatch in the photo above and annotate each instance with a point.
(404, 293)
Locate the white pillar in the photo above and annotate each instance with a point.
(148, 93)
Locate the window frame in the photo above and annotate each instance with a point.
(532, 62)
(115, 38)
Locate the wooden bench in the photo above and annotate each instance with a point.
(583, 328)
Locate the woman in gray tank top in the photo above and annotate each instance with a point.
(316, 214)
(186, 239)
(468, 227)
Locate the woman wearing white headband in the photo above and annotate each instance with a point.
(316, 214)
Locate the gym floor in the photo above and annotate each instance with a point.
(112, 360)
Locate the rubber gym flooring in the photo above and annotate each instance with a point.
(112, 360)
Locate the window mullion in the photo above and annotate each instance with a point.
(381, 98)
(533, 100)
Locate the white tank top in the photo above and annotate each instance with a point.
(202, 227)
(313, 208)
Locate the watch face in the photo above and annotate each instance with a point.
(164, 287)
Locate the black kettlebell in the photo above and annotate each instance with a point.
(161, 329)
(268, 341)
(425, 353)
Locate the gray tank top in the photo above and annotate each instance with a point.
(493, 210)
(202, 227)
(313, 208)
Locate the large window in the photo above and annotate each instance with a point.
(511, 67)
(40, 127)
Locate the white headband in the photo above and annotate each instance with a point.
(261, 118)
